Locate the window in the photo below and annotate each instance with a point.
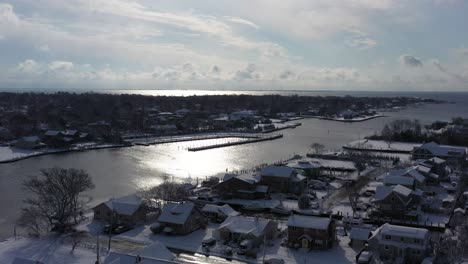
(386, 247)
(98, 212)
(388, 237)
(417, 241)
(402, 239)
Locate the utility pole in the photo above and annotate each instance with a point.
(110, 230)
(97, 248)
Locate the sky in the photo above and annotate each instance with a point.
(367, 45)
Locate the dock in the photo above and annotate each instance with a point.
(228, 144)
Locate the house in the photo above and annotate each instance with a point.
(430, 150)
(399, 180)
(31, 142)
(310, 232)
(282, 179)
(181, 218)
(239, 228)
(359, 237)
(400, 244)
(306, 168)
(240, 115)
(126, 210)
(240, 187)
(155, 253)
(396, 201)
(217, 212)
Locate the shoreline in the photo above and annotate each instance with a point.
(351, 120)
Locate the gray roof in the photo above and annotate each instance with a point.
(402, 190)
(126, 205)
(312, 222)
(277, 171)
(403, 231)
(225, 210)
(381, 192)
(444, 151)
(359, 233)
(245, 225)
(176, 213)
(395, 180)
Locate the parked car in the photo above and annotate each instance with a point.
(245, 246)
(108, 228)
(122, 229)
(208, 242)
(365, 257)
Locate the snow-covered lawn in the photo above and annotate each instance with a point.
(191, 242)
(334, 164)
(382, 145)
(47, 250)
(12, 153)
(340, 253)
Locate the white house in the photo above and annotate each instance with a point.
(400, 244)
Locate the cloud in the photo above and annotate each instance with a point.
(410, 61)
(7, 15)
(361, 40)
(248, 73)
(216, 70)
(242, 22)
(287, 74)
(443, 69)
(27, 66)
(462, 51)
(61, 65)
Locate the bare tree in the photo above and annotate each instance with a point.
(317, 147)
(77, 237)
(57, 195)
(387, 135)
(31, 220)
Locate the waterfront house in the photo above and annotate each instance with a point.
(451, 154)
(239, 228)
(240, 187)
(391, 180)
(400, 244)
(282, 179)
(396, 201)
(181, 218)
(306, 168)
(310, 232)
(126, 210)
(31, 142)
(218, 212)
(240, 115)
(359, 237)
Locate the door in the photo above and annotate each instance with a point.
(305, 243)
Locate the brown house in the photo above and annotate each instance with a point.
(310, 232)
(282, 179)
(127, 210)
(181, 218)
(396, 201)
(240, 187)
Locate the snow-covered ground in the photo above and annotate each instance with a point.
(46, 250)
(8, 153)
(334, 164)
(382, 145)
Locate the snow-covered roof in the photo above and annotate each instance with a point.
(303, 164)
(157, 250)
(70, 132)
(359, 233)
(460, 210)
(400, 189)
(277, 171)
(403, 231)
(52, 133)
(176, 213)
(31, 139)
(444, 151)
(312, 222)
(224, 210)
(126, 205)
(245, 225)
(395, 180)
(298, 178)
(381, 192)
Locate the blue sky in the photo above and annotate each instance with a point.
(218, 44)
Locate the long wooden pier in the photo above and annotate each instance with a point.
(228, 144)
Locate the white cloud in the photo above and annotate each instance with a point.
(243, 22)
(61, 65)
(27, 66)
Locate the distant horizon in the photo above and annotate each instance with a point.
(295, 45)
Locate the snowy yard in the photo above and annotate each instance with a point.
(46, 250)
(380, 145)
(12, 153)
